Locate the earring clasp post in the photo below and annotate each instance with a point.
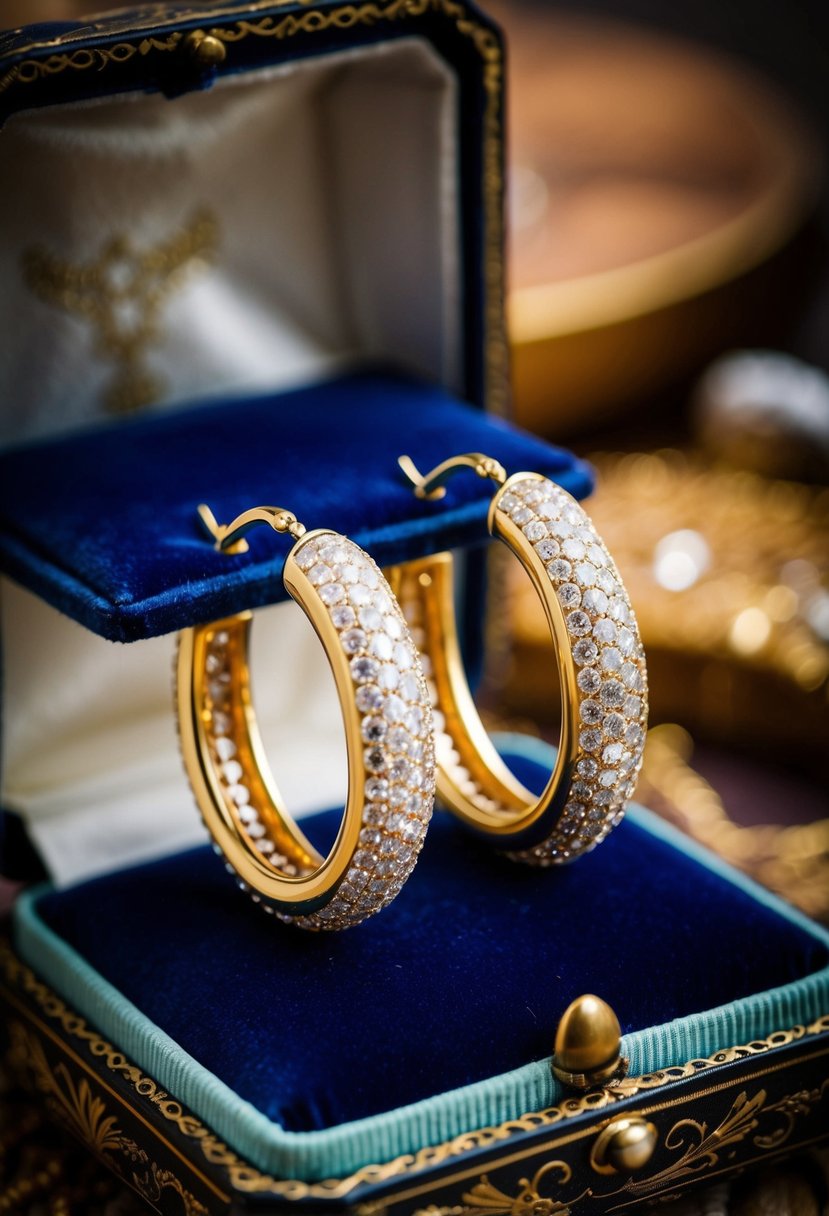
(229, 538)
(431, 485)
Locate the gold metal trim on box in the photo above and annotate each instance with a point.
(245, 1178)
(315, 21)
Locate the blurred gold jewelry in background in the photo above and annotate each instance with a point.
(656, 188)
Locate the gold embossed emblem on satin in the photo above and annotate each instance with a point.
(120, 294)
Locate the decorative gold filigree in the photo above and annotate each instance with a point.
(121, 294)
(85, 1113)
(155, 1181)
(791, 1108)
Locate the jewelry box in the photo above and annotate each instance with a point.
(253, 253)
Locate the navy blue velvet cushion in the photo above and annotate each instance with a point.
(462, 978)
(102, 523)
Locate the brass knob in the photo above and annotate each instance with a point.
(588, 1044)
(205, 49)
(624, 1146)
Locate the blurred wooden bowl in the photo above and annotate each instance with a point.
(653, 187)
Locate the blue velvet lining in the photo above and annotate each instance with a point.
(462, 978)
(102, 524)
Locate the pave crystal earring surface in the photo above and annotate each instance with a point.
(601, 667)
(388, 725)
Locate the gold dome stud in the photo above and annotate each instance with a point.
(205, 49)
(624, 1146)
(588, 1044)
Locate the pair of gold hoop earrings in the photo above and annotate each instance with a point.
(412, 729)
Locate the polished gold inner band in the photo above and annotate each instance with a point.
(473, 781)
(294, 874)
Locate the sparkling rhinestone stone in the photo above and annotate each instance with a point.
(248, 813)
(612, 694)
(521, 516)
(403, 656)
(395, 708)
(225, 749)
(332, 593)
(232, 772)
(585, 574)
(359, 595)
(569, 595)
(320, 574)
(581, 791)
(573, 549)
(589, 680)
(342, 616)
(632, 706)
(410, 687)
(381, 646)
(535, 531)
(398, 739)
(595, 601)
(219, 722)
(612, 754)
(560, 528)
(587, 768)
(368, 698)
(607, 582)
(548, 549)
(414, 720)
(625, 641)
(374, 760)
(590, 740)
(353, 641)
(509, 502)
(597, 555)
(578, 622)
(240, 794)
(213, 663)
(590, 712)
(634, 735)
(603, 797)
(608, 777)
(374, 729)
(400, 770)
(377, 789)
(604, 630)
(559, 569)
(618, 609)
(613, 726)
(629, 674)
(585, 652)
(370, 619)
(389, 677)
(364, 670)
(255, 829)
(611, 659)
(393, 627)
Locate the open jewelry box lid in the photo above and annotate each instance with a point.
(242, 258)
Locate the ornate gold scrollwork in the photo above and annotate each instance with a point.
(85, 1113)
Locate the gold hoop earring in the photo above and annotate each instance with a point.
(388, 725)
(601, 666)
